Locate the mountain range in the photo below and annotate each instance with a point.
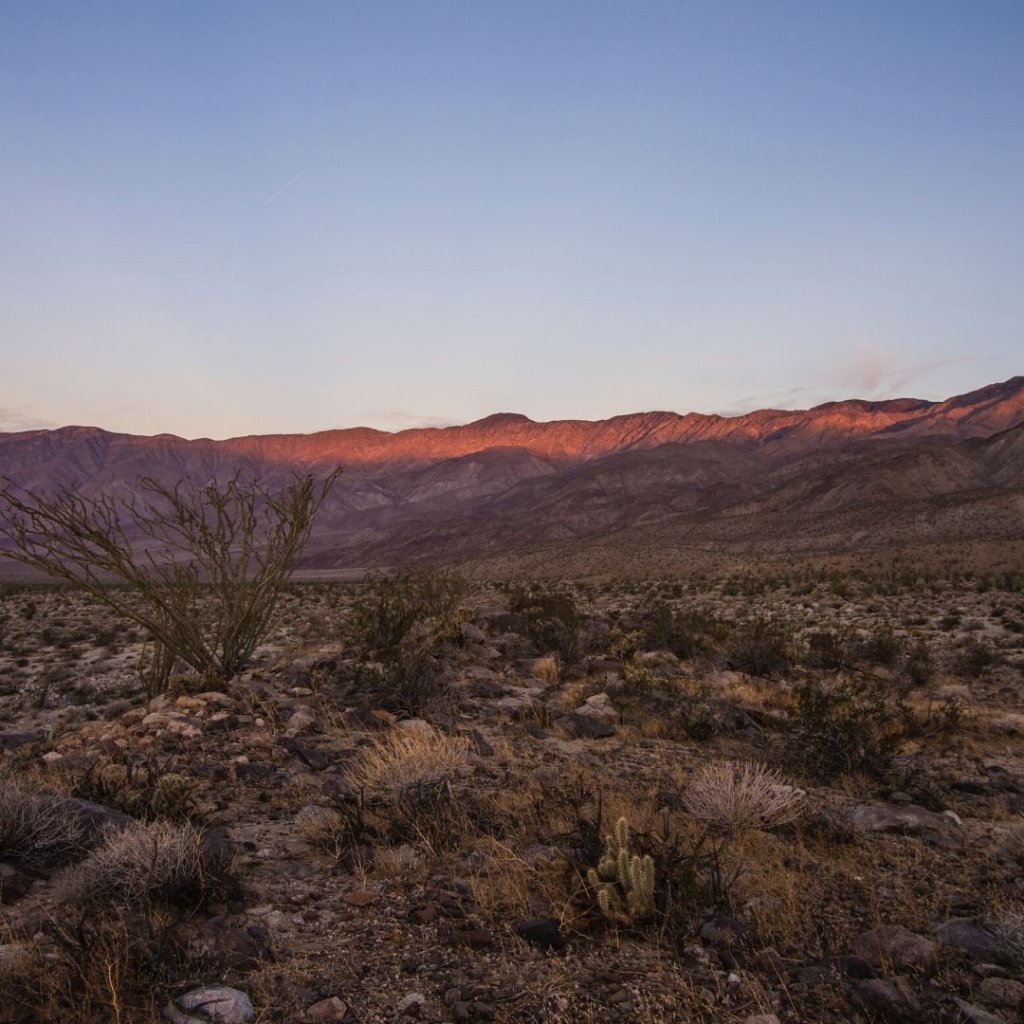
(636, 492)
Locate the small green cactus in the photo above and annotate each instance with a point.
(172, 796)
(624, 883)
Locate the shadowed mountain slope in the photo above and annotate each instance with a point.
(832, 476)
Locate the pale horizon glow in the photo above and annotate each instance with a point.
(218, 220)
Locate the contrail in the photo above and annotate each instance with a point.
(288, 184)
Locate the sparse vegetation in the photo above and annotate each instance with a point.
(203, 565)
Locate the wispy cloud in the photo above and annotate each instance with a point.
(395, 419)
(864, 372)
(288, 184)
(14, 418)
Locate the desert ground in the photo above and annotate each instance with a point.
(796, 796)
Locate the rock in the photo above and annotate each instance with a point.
(302, 720)
(473, 633)
(96, 816)
(310, 756)
(13, 884)
(411, 1004)
(584, 727)
(1003, 993)
(893, 999)
(14, 740)
(476, 938)
(895, 946)
(976, 938)
(543, 932)
(724, 932)
(600, 707)
(967, 1013)
(330, 1009)
(220, 1004)
(908, 819)
(230, 946)
(762, 1018)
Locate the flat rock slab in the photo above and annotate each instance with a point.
(968, 1013)
(583, 727)
(14, 740)
(908, 820)
(896, 946)
(976, 938)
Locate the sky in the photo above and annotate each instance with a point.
(223, 217)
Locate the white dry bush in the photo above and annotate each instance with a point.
(407, 763)
(322, 827)
(161, 861)
(1009, 926)
(1011, 846)
(737, 796)
(41, 831)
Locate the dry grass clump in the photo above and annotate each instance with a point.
(407, 763)
(324, 828)
(40, 831)
(1009, 926)
(158, 862)
(731, 797)
(1011, 846)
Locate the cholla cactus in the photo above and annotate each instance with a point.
(624, 883)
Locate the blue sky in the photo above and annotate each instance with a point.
(221, 218)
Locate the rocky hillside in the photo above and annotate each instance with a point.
(506, 482)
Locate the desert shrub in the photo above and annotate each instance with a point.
(113, 968)
(1011, 846)
(1009, 926)
(918, 664)
(882, 646)
(41, 831)
(405, 782)
(324, 828)
(550, 620)
(201, 568)
(411, 681)
(760, 646)
(847, 724)
(831, 649)
(409, 764)
(161, 862)
(975, 658)
(730, 797)
(396, 605)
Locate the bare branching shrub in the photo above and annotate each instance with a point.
(325, 828)
(203, 565)
(41, 831)
(157, 863)
(730, 797)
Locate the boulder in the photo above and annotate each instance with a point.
(905, 818)
(896, 946)
(219, 1004)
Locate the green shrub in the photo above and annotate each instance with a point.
(550, 620)
(847, 724)
(760, 646)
